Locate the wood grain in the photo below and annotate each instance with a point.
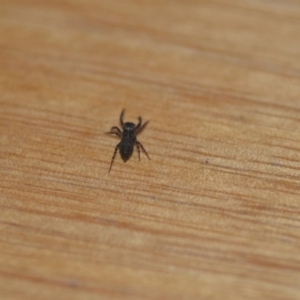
(215, 214)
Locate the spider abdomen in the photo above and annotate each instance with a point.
(126, 149)
(128, 141)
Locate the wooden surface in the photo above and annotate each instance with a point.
(215, 214)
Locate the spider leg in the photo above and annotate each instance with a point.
(138, 149)
(138, 144)
(113, 157)
(138, 129)
(115, 130)
(121, 118)
(139, 124)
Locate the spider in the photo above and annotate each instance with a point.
(128, 139)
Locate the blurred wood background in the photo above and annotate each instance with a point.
(215, 214)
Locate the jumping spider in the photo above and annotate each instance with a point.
(128, 139)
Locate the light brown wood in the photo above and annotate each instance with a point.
(214, 214)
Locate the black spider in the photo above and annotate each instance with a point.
(128, 139)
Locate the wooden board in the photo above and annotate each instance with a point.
(215, 214)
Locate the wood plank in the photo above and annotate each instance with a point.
(214, 214)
